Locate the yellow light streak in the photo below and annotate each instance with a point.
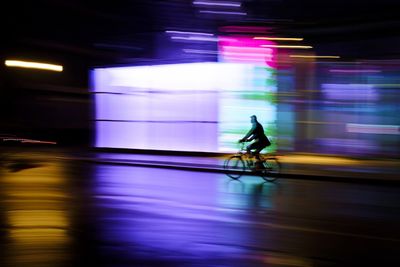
(303, 56)
(33, 65)
(289, 46)
(279, 39)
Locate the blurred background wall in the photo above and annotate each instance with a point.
(346, 104)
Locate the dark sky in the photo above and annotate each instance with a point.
(105, 31)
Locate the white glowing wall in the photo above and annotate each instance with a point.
(182, 107)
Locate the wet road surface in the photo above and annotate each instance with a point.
(68, 213)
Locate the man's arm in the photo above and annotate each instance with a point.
(249, 134)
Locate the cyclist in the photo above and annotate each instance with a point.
(261, 140)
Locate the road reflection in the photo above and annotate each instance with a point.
(169, 215)
(62, 213)
(35, 210)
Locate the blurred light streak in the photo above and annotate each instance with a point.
(38, 218)
(223, 12)
(179, 87)
(234, 107)
(190, 33)
(347, 86)
(195, 38)
(18, 179)
(226, 53)
(265, 56)
(318, 160)
(169, 91)
(142, 78)
(289, 46)
(280, 260)
(304, 56)
(33, 65)
(350, 91)
(250, 59)
(320, 122)
(354, 71)
(39, 194)
(38, 142)
(38, 236)
(244, 49)
(199, 51)
(278, 39)
(30, 141)
(386, 85)
(223, 4)
(36, 214)
(243, 59)
(244, 29)
(372, 128)
(195, 199)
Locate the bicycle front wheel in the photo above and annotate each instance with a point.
(271, 169)
(234, 167)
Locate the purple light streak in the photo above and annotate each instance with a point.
(223, 12)
(190, 33)
(222, 4)
(195, 38)
(354, 71)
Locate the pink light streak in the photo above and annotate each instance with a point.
(245, 49)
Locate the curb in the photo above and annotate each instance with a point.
(220, 169)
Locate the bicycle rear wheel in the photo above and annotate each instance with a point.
(234, 167)
(271, 169)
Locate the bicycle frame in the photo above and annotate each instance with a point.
(243, 152)
(248, 159)
(269, 164)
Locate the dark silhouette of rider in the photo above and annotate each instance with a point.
(256, 133)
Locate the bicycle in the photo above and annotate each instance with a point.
(237, 164)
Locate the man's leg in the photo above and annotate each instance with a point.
(257, 153)
(248, 150)
(250, 147)
(260, 147)
(257, 147)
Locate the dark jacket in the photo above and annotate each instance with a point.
(257, 132)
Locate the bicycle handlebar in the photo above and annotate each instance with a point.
(242, 146)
